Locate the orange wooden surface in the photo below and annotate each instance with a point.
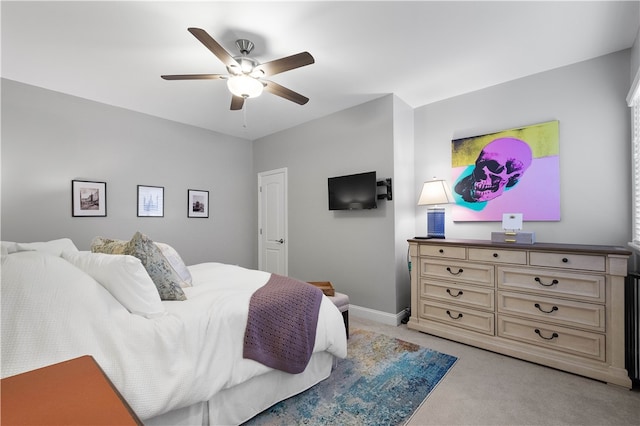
(325, 286)
(74, 392)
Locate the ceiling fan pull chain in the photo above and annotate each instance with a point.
(244, 114)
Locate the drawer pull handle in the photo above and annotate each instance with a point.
(495, 254)
(537, 305)
(539, 281)
(440, 251)
(460, 293)
(452, 317)
(455, 273)
(565, 260)
(553, 336)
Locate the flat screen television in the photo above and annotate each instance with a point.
(353, 192)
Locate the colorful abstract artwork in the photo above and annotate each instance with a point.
(512, 171)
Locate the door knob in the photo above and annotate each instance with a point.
(281, 241)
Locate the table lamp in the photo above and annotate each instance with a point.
(434, 193)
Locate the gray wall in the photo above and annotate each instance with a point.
(404, 199)
(635, 57)
(352, 249)
(588, 99)
(49, 138)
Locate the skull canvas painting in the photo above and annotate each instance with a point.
(511, 170)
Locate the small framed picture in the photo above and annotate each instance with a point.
(88, 198)
(197, 203)
(150, 201)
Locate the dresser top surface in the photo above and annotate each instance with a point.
(583, 248)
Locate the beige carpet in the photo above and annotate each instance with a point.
(486, 388)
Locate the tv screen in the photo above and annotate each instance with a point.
(353, 192)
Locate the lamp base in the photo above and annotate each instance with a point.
(435, 222)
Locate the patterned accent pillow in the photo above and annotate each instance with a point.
(108, 245)
(162, 274)
(154, 262)
(176, 263)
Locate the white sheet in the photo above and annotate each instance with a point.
(52, 311)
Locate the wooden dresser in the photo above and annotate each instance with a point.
(560, 305)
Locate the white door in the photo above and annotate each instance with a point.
(272, 222)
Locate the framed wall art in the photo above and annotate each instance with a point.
(198, 203)
(150, 201)
(88, 198)
(515, 170)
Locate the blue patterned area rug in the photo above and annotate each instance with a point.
(381, 382)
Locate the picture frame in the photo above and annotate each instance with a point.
(150, 201)
(197, 203)
(511, 170)
(88, 198)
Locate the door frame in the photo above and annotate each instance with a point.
(285, 209)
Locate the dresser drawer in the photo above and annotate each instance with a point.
(473, 297)
(499, 256)
(576, 342)
(584, 262)
(553, 283)
(482, 322)
(448, 252)
(558, 311)
(457, 271)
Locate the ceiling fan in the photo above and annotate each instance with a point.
(246, 75)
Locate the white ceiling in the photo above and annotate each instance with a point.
(423, 51)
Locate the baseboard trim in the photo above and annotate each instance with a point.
(377, 316)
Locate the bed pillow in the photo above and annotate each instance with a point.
(112, 246)
(124, 277)
(9, 247)
(176, 263)
(55, 247)
(159, 268)
(164, 277)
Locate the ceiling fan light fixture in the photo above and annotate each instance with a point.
(244, 86)
(245, 74)
(246, 64)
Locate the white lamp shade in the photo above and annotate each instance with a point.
(435, 192)
(244, 86)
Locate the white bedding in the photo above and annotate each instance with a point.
(52, 311)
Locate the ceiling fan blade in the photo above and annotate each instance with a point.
(285, 64)
(194, 76)
(236, 103)
(213, 46)
(283, 92)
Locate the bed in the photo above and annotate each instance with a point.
(174, 361)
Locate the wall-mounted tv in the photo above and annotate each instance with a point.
(353, 192)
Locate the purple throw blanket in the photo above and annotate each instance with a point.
(281, 328)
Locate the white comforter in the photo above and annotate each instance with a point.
(52, 311)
